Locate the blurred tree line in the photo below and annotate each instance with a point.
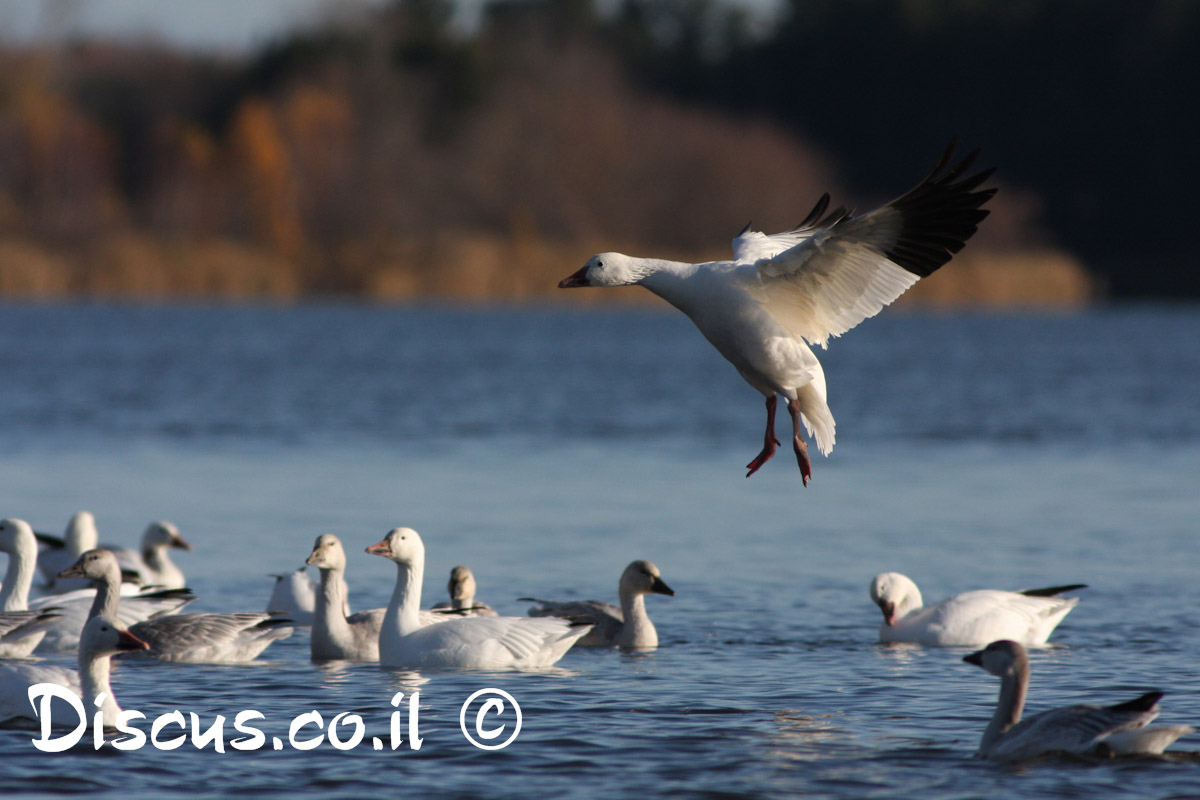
(393, 155)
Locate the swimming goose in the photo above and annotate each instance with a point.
(22, 631)
(626, 626)
(462, 595)
(488, 643)
(1077, 730)
(62, 633)
(152, 564)
(101, 639)
(970, 619)
(57, 553)
(295, 594)
(203, 638)
(784, 292)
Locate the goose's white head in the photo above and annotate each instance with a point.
(1001, 658)
(17, 537)
(642, 577)
(102, 637)
(402, 545)
(462, 584)
(81, 534)
(605, 269)
(163, 534)
(327, 553)
(94, 565)
(896, 595)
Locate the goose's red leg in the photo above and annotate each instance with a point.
(769, 440)
(798, 442)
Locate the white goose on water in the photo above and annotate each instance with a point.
(487, 643)
(970, 619)
(152, 563)
(203, 638)
(295, 594)
(1081, 730)
(62, 633)
(22, 631)
(462, 588)
(625, 626)
(101, 639)
(59, 553)
(784, 292)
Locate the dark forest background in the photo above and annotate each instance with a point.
(390, 154)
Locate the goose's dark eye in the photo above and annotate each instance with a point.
(599, 263)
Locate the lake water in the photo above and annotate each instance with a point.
(547, 449)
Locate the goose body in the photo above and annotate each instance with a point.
(72, 608)
(294, 594)
(483, 643)
(22, 631)
(784, 292)
(192, 638)
(627, 625)
(970, 619)
(100, 640)
(1081, 730)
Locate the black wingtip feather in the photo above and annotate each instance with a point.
(1146, 702)
(1053, 591)
(939, 214)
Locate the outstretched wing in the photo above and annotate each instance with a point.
(833, 273)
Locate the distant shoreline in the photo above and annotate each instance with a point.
(468, 269)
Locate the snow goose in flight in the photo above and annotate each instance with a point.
(100, 640)
(970, 619)
(626, 626)
(784, 292)
(1075, 730)
(62, 633)
(461, 587)
(202, 638)
(487, 643)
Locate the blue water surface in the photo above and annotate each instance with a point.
(547, 449)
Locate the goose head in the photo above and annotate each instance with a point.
(402, 545)
(462, 584)
(102, 637)
(81, 534)
(327, 553)
(642, 577)
(1001, 658)
(895, 594)
(94, 565)
(604, 269)
(162, 534)
(16, 537)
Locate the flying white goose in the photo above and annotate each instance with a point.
(1077, 730)
(62, 633)
(970, 619)
(487, 643)
(462, 595)
(784, 292)
(295, 594)
(626, 626)
(152, 564)
(59, 553)
(204, 638)
(100, 640)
